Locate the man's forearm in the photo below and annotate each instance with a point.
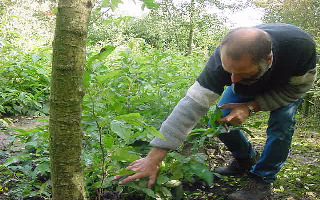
(185, 116)
(157, 154)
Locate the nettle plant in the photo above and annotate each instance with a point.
(129, 93)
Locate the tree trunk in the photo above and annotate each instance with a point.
(190, 39)
(66, 99)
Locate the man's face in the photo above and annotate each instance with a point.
(242, 70)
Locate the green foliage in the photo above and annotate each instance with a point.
(130, 90)
(27, 174)
(165, 27)
(25, 81)
(173, 25)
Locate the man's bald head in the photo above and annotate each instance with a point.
(249, 41)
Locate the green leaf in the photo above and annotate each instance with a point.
(121, 130)
(107, 77)
(216, 115)
(150, 4)
(105, 3)
(123, 154)
(162, 179)
(148, 191)
(108, 141)
(130, 45)
(198, 131)
(40, 169)
(114, 4)
(86, 80)
(124, 172)
(165, 192)
(177, 156)
(131, 118)
(11, 160)
(202, 172)
(100, 56)
(156, 133)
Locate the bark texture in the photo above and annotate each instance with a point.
(66, 99)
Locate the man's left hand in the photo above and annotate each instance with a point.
(240, 112)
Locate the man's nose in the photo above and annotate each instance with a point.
(235, 78)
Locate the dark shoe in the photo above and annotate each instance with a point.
(254, 190)
(238, 167)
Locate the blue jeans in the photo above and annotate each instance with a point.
(279, 135)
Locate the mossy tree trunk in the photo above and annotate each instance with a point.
(66, 99)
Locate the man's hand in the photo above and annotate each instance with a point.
(147, 167)
(240, 112)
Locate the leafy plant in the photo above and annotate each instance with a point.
(25, 83)
(27, 173)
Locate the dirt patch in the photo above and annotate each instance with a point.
(25, 123)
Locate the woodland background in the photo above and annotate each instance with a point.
(136, 70)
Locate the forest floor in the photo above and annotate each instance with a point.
(297, 180)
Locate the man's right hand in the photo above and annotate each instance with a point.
(147, 167)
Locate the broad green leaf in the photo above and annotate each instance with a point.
(108, 141)
(131, 118)
(202, 172)
(121, 130)
(107, 182)
(177, 174)
(123, 154)
(110, 75)
(162, 179)
(124, 172)
(40, 169)
(86, 80)
(11, 160)
(107, 50)
(178, 157)
(156, 133)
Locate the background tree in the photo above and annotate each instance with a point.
(306, 15)
(66, 99)
(302, 13)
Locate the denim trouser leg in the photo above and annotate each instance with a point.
(279, 135)
(235, 141)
